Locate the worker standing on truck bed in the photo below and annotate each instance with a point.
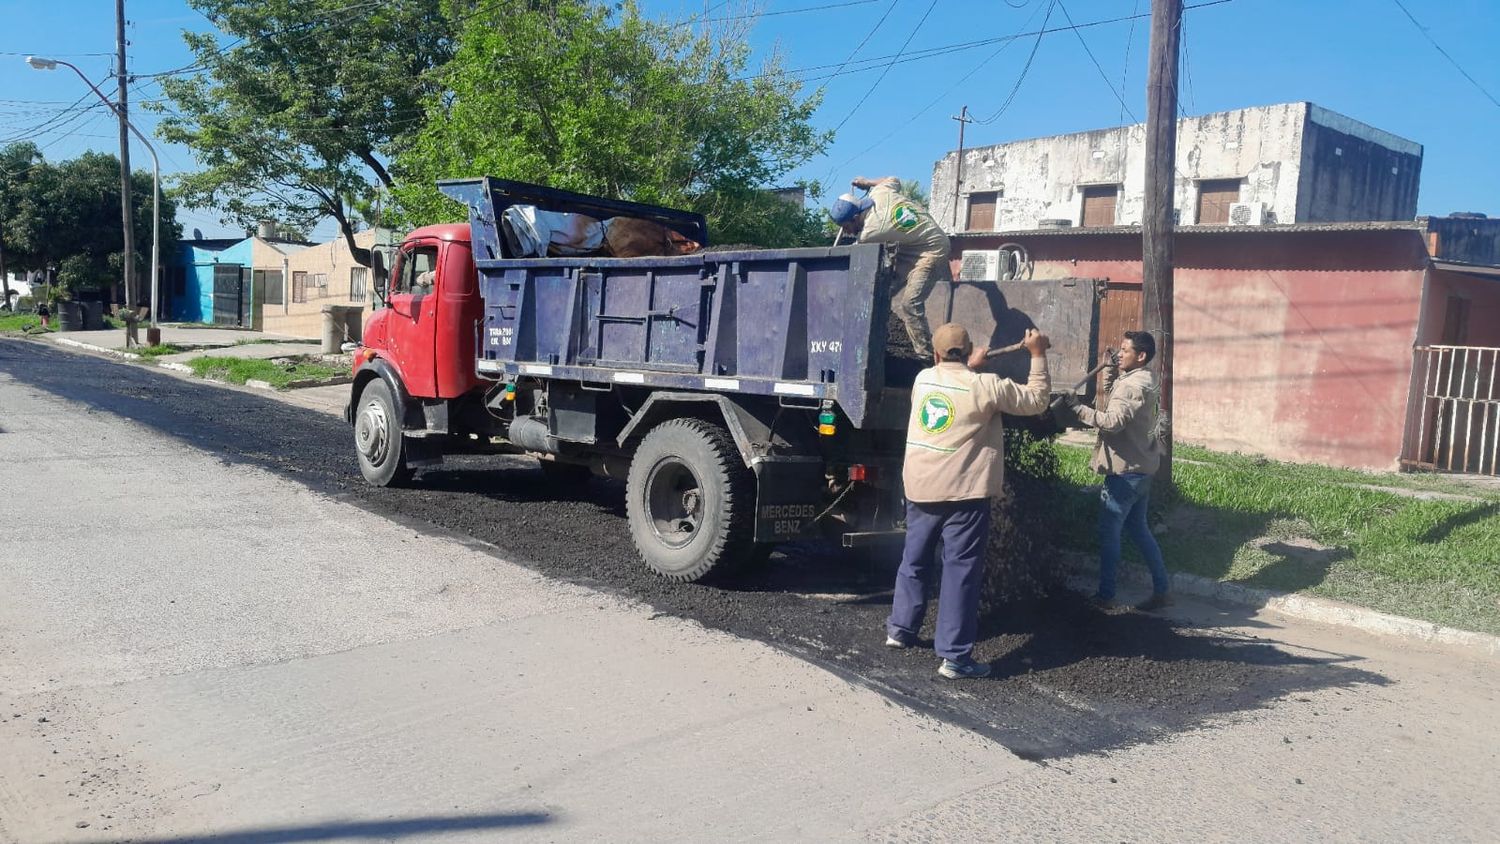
(954, 465)
(887, 216)
(1127, 455)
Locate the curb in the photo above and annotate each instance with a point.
(1085, 577)
(182, 367)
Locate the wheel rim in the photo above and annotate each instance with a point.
(372, 434)
(674, 503)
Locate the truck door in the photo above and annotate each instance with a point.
(412, 325)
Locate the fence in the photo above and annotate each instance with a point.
(1454, 425)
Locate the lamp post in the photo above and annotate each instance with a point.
(40, 63)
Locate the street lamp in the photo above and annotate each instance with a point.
(40, 63)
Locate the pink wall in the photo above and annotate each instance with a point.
(1291, 344)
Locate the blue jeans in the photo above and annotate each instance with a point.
(964, 528)
(1123, 507)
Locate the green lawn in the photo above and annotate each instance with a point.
(240, 370)
(160, 349)
(1297, 528)
(18, 322)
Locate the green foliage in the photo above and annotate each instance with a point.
(593, 97)
(912, 189)
(296, 104)
(66, 217)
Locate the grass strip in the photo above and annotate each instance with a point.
(19, 322)
(278, 375)
(160, 349)
(1298, 528)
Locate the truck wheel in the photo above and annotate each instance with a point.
(377, 437)
(690, 500)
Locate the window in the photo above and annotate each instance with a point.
(1099, 205)
(299, 287)
(269, 281)
(359, 280)
(418, 266)
(981, 211)
(1214, 198)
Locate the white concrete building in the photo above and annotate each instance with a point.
(1290, 163)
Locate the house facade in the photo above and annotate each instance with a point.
(323, 274)
(1288, 163)
(1361, 345)
(227, 281)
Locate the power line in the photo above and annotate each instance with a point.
(1102, 75)
(935, 100)
(868, 36)
(1026, 68)
(757, 15)
(1439, 48)
(881, 77)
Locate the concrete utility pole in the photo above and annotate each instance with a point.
(958, 166)
(1156, 227)
(123, 110)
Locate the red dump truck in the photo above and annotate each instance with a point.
(745, 397)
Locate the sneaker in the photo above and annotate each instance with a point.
(1159, 600)
(899, 640)
(1103, 604)
(968, 668)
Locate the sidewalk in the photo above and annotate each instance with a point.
(113, 339)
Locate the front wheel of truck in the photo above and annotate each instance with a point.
(690, 500)
(377, 436)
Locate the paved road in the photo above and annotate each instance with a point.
(208, 627)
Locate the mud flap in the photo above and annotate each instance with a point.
(789, 494)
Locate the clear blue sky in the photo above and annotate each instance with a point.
(1359, 57)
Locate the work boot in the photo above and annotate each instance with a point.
(966, 668)
(1103, 604)
(1157, 601)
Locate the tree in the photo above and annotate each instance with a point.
(593, 97)
(294, 112)
(65, 217)
(912, 189)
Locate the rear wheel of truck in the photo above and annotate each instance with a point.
(690, 500)
(377, 437)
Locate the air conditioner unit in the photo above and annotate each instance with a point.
(981, 265)
(1247, 214)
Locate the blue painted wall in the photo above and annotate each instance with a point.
(196, 304)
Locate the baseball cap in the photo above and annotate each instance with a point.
(846, 207)
(951, 337)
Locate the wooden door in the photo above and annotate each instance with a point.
(1099, 205)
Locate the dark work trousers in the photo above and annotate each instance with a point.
(964, 528)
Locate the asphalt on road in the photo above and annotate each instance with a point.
(1067, 680)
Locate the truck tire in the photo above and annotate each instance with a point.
(690, 501)
(377, 436)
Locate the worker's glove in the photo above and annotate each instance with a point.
(1071, 400)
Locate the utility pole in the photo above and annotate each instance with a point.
(122, 109)
(958, 167)
(1156, 227)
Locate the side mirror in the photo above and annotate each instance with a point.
(380, 275)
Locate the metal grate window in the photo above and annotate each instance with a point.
(359, 281)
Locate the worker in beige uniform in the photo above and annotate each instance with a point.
(955, 463)
(888, 216)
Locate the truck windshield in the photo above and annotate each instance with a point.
(418, 270)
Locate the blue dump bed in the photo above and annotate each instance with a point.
(804, 324)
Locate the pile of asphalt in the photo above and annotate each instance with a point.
(1067, 679)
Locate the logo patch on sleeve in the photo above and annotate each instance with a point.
(904, 217)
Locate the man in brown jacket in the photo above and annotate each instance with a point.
(954, 465)
(1127, 456)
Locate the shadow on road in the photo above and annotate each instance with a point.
(1068, 680)
(382, 830)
